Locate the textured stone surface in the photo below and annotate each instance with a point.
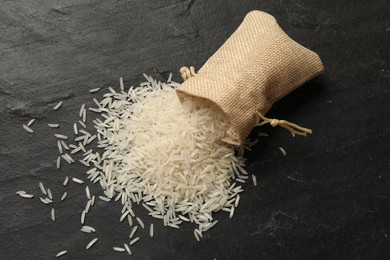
(328, 199)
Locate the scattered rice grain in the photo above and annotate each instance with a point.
(59, 104)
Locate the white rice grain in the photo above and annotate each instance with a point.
(59, 104)
(49, 194)
(43, 190)
(59, 147)
(82, 218)
(64, 145)
(141, 223)
(121, 85)
(61, 136)
(46, 201)
(133, 232)
(77, 180)
(90, 244)
(31, 122)
(254, 179)
(88, 192)
(151, 230)
(88, 229)
(25, 195)
(82, 108)
(64, 196)
(53, 125)
(132, 242)
(61, 253)
(104, 198)
(82, 124)
(58, 162)
(53, 215)
(94, 90)
(127, 249)
(28, 129)
(75, 130)
(65, 181)
(283, 151)
(119, 249)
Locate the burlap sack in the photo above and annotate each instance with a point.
(256, 66)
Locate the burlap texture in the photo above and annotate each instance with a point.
(256, 66)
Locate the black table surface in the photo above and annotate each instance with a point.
(327, 199)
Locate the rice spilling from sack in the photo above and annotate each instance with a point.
(165, 155)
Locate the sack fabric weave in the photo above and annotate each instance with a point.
(255, 67)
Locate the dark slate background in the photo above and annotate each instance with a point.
(328, 199)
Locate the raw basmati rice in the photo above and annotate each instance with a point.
(53, 215)
(87, 207)
(26, 196)
(196, 235)
(59, 104)
(65, 181)
(53, 125)
(141, 223)
(90, 244)
(104, 198)
(28, 129)
(58, 162)
(254, 179)
(59, 147)
(231, 212)
(88, 192)
(119, 249)
(135, 142)
(88, 229)
(124, 215)
(237, 201)
(82, 219)
(64, 196)
(61, 136)
(46, 200)
(20, 192)
(127, 249)
(75, 130)
(283, 151)
(151, 230)
(64, 145)
(31, 122)
(61, 253)
(121, 85)
(132, 242)
(42, 188)
(82, 124)
(49, 194)
(133, 232)
(94, 90)
(77, 180)
(82, 108)
(67, 158)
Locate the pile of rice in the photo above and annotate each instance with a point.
(152, 150)
(166, 155)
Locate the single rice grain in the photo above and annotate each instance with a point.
(59, 104)
(90, 244)
(61, 253)
(28, 129)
